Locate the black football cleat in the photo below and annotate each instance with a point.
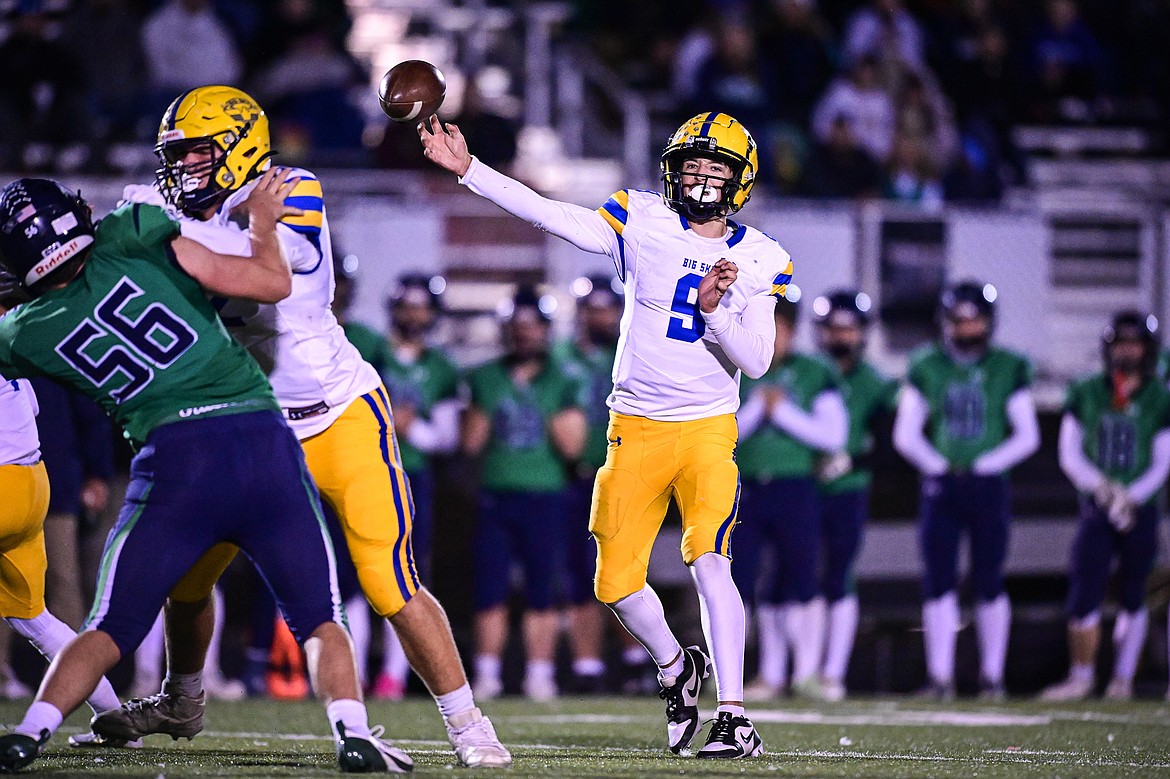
(18, 750)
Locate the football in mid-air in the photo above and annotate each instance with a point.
(411, 91)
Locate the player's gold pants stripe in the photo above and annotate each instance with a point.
(358, 471)
(25, 491)
(648, 462)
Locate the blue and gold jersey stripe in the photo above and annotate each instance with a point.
(307, 196)
(780, 283)
(616, 210)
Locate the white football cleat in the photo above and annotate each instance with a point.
(1119, 689)
(1071, 689)
(682, 699)
(92, 740)
(475, 743)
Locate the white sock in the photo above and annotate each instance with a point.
(1129, 636)
(455, 702)
(721, 610)
(642, 615)
(148, 656)
(40, 716)
(773, 646)
(540, 670)
(736, 711)
(50, 635)
(1081, 672)
(357, 615)
(588, 666)
(940, 629)
(487, 667)
(993, 622)
(839, 634)
(805, 627)
(188, 685)
(351, 714)
(394, 662)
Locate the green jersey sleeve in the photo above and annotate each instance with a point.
(147, 226)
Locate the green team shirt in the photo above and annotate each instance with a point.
(769, 452)
(867, 395)
(419, 384)
(520, 456)
(1119, 441)
(968, 403)
(369, 343)
(596, 366)
(134, 332)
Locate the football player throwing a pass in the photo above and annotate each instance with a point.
(701, 292)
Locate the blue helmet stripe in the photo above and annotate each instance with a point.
(706, 128)
(176, 104)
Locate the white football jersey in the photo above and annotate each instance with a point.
(19, 442)
(314, 370)
(668, 366)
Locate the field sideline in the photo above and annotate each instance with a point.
(623, 737)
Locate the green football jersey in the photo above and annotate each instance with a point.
(369, 343)
(419, 384)
(596, 366)
(1119, 441)
(134, 332)
(867, 395)
(769, 452)
(520, 456)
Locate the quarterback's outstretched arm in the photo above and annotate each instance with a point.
(582, 227)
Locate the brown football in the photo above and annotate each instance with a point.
(411, 91)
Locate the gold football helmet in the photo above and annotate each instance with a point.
(234, 128)
(716, 136)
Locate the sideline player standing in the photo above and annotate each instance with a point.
(213, 142)
(120, 312)
(1115, 448)
(976, 400)
(690, 325)
(842, 317)
(790, 417)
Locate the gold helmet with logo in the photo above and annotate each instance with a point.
(231, 126)
(719, 137)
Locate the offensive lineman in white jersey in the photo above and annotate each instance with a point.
(212, 142)
(702, 290)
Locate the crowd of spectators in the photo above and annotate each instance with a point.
(912, 100)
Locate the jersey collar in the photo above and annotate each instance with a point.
(736, 230)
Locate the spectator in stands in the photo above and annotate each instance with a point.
(888, 33)
(307, 94)
(525, 420)
(910, 175)
(1066, 66)
(104, 37)
(738, 78)
(801, 46)
(187, 46)
(974, 177)
(42, 97)
(789, 418)
(839, 167)
(1115, 448)
(858, 96)
(923, 114)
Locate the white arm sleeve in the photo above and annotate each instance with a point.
(1017, 447)
(909, 438)
(749, 342)
(1144, 486)
(585, 229)
(440, 433)
(1071, 454)
(826, 427)
(751, 414)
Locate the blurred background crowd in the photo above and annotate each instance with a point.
(912, 100)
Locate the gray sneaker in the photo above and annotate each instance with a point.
(178, 716)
